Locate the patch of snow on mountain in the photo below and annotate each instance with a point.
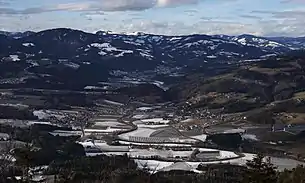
(228, 53)
(140, 41)
(72, 65)
(134, 33)
(218, 40)
(242, 41)
(102, 53)
(274, 44)
(102, 45)
(123, 52)
(213, 47)
(212, 56)
(107, 47)
(158, 83)
(175, 38)
(268, 55)
(113, 103)
(197, 43)
(28, 44)
(146, 55)
(156, 38)
(14, 58)
(258, 40)
(133, 43)
(199, 53)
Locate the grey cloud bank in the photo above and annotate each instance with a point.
(101, 5)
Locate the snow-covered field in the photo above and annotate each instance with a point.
(105, 119)
(187, 120)
(152, 165)
(227, 154)
(155, 144)
(39, 122)
(140, 132)
(140, 116)
(144, 108)
(107, 154)
(107, 130)
(156, 120)
(113, 103)
(155, 165)
(200, 137)
(284, 163)
(15, 105)
(109, 116)
(151, 126)
(135, 153)
(45, 114)
(103, 146)
(142, 124)
(249, 137)
(154, 133)
(109, 124)
(63, 133)
(237, 130)
(183, 166)
(147, 153)
(94, 88)
(106, 125)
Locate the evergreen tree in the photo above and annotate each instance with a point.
(260, 171)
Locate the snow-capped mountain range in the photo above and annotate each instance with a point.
(79, 53)
(76, 45)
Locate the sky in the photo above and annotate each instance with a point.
(167, 17)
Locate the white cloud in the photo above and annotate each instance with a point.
(71, 7)
(122, 5)
(166, 3)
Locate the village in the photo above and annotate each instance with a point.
(158, 137)
(155, 136)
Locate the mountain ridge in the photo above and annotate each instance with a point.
(137, 33)
(63, 54)
(193, 47)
